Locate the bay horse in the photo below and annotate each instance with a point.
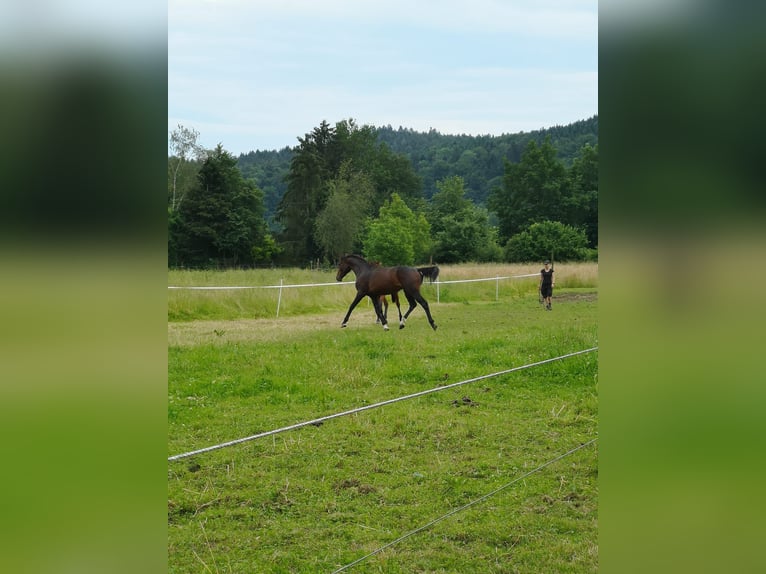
(374, 281)
(384, 300)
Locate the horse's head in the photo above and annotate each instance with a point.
(343, 268)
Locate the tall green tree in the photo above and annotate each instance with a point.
(317, 161)
(460, 229)
(535, 189)
(389, 172)
(306, 193)
(584, 193)
(221, 220)
(339, 226)
(398, 236)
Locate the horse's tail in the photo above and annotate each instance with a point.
(430, 273)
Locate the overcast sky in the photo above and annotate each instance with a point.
(258, 74)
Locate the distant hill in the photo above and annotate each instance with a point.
(269, 170)
(479, 160)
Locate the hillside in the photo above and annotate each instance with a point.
(479, 160)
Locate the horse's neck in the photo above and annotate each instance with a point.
(358, 265)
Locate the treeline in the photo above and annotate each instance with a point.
(396, 196)
(479, 160)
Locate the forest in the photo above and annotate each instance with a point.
(394, 195)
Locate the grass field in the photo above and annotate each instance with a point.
(320, 497)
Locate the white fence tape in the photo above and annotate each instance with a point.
(281, 286)
(234, 287)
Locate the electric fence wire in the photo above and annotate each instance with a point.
(461, 508)
(320, 420)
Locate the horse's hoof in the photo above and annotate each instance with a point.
(385, 327)
(434, 326)
(401, 325)
(343, 325)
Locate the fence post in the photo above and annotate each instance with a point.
(497, 288)
(279, 299)
(437, 290)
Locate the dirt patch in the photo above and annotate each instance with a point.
(353, 483)
(593, 296)
(273, 330)
(264, 330)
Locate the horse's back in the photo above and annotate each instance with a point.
(387, 280)
(381, 281)
(409, 277)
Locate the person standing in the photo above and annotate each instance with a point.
(547, 283)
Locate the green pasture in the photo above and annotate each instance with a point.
(319, 497)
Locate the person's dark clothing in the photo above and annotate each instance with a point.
(546, 287)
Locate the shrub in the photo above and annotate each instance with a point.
(547, 239)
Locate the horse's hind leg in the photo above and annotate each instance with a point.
(413, 303)
(395, 299)
(424, 303)
(415, 298)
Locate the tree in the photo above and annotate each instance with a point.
(535, 189)
(317, 162)
(306, 193)
(584, 199)
(221, 221)
(339, 226)
(421, 239)
(393, 173)
(389, 172)
(183, 143)
(396, 237)
(547, 240)
(265, 250)
(460, 228)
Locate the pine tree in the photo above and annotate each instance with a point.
(221, 219)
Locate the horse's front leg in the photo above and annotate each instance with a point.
(384, 301)
(354, 303)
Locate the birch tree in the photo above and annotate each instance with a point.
(185, 147)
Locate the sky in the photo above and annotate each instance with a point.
(259, 74)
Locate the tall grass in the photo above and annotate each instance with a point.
(317, 498)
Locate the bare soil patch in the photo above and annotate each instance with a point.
(592, 296)
(264, 330)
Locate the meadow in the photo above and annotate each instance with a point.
(320, 497)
